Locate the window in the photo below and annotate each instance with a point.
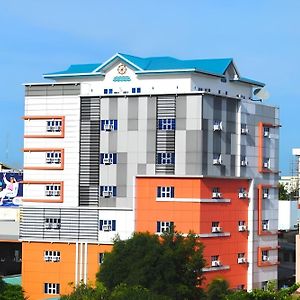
(218, 125)
(265, 192)
(216, 192)
(165, 192)
(51, 288)
(164, 226)
(107, 225)
(242, 193)
(108, 191)
(108, 158)
(101, 258)
(244, 128)
(207, 90)
(265, 255)
(244, 161)
(109, 125)
(266, 162)
(165, 158)
(52, 256)
(265, 225)
(136, 90)
(266, 131)
(215, 261)
(242, 225)
(108, 91)
(217, 159)
(53, 157)
(166, 124)
(52, 190)
(215, 227)
(54, 125)
(52, 223)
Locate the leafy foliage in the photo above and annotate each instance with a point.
(9, 291)
(217, 289)
(170, 265)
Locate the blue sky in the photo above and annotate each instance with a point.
(36, 37)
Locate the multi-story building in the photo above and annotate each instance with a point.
(136, 144)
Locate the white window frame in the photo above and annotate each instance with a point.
(52, 256)
(52, 223)
(166, 191)
(52, 288)
(165, 226)
(265, 225)
(53, 157)
(52, 190)
(166, 158)
(54, 125)
(218, 125)
(108, 125)
(265, 253)
(166, 124)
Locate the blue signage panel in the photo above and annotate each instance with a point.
(11, 189)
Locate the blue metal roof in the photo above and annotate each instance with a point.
(163, 64)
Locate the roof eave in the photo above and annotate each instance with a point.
(120, 56)
(175, 71)
(72, 75)
(248, 81)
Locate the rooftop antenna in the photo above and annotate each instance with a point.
(261, 93)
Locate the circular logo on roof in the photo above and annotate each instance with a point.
(122, 69)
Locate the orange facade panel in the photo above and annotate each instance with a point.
(60, 134)
(59, 166)
(71, 265)
(188, 204)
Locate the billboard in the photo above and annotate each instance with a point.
(11, 188)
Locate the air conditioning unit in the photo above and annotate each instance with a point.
(265, 258)
(49, 193)
(265, 226)
(107, 161)
(57, 128)
(57, 160)
(244, 163)
(218, 127)
(57, 226)
(49, 160)
(48, 226)
(108, 127)
(243, 195)
(47, 258)
(56, 193)
(242, 260)
(217, 161)
(265, 195)
(106, 227)
(266, 133)
(216, 195)
(244, 130)
(216, 229)
(215, 263)
(242, 227)
(56, 259)
(107, 194)
(266, 165)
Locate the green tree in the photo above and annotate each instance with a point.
(218, 289)
(282, 192)
(169, 265)
(11, 292)
(87, 292)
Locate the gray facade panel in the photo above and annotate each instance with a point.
(121, 175)
(113, 108)
(113, 142)
(133, 108)
(108, 202)
(132, 124)
(52, 90)
(181, 104)
(142, 169)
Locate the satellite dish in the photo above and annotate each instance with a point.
(262, 94)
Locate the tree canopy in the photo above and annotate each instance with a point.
(169, 265)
